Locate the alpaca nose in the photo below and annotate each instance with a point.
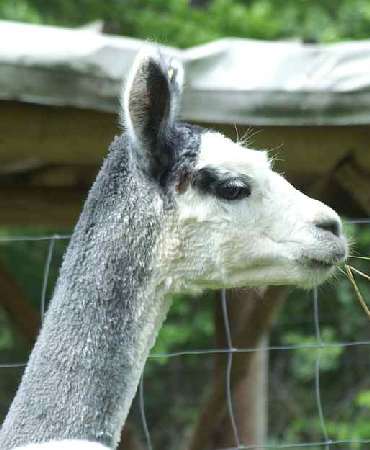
(333, 226)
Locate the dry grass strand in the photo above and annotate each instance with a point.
(351, 278)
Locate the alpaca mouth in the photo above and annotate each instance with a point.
(324, 257)
(314, 263)
(325, 263)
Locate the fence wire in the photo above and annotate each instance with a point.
(326, 443)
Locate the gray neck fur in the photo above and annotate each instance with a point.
(102, 320)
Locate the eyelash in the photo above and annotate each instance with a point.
(212, 182)
(232, 190)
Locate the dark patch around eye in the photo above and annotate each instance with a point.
(205, 180)
(234, 189)
(227, 186)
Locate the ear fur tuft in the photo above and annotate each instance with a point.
(135, 100)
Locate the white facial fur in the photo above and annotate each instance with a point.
(267, 238)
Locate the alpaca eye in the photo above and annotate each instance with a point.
(233, 190)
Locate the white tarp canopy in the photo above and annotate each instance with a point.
(228, 81)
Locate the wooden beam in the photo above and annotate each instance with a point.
(355, 181)
(61, 135)
(61, 148)
(308, 151)
(56, 135)
(36, 206)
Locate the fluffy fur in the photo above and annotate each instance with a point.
(271, 237)
(154, 225)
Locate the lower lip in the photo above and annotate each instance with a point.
(316, 264)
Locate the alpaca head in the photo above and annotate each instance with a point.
(230, 220)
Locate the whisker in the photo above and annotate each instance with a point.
(237, 134)
(247, 137)
(276, 149)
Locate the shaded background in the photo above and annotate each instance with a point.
(184, 397)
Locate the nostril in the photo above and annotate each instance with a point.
(333, 226)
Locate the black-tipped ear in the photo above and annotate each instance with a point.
(150, 104)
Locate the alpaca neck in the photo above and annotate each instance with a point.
(101, 323)
(80, 381)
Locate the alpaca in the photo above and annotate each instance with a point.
(175, 208)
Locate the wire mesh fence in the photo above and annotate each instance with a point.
(326, 442)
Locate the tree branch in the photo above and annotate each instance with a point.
(251, 318)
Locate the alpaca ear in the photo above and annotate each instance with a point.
(150, 103)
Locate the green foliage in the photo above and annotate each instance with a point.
(363, 399)
(26, 261)
(305, 356)
(174, 22)
(177, 334)
(6, 340)
(19, 10)
(344, 382)
(175, 386)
